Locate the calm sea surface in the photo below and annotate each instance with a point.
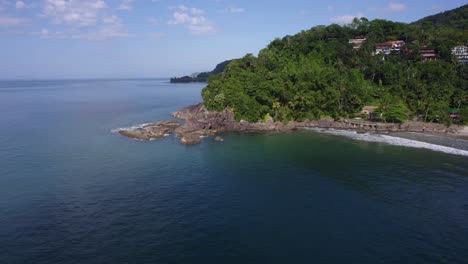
(71, 191)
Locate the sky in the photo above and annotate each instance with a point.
(62, 39)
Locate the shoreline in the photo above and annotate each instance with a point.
(200, 123)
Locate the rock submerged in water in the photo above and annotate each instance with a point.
(190, 139)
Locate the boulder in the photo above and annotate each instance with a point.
(190, 139)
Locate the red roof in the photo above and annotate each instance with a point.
(390, 43)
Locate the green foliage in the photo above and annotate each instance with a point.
(316, 73)
(464, 116)
(392, 109)
(267, 117)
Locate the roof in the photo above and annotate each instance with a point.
(426, 50)
(390, 43)
(369, 108)
(454, 110)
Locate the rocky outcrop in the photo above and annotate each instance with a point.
(199, 123)
(151, 131)
(198, 118)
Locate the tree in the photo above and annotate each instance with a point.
(464, 115)
(392, 109)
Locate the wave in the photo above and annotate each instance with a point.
(396, 141)
(117, 130)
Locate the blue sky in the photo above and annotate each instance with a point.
(164, 38)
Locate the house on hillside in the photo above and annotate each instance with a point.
(368, 112)
(454, 114)
(460, 53)
(357, 42)
(389, 47)
(428, 54)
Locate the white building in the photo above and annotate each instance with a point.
(461, 54)
(388, 47)
(357, 42)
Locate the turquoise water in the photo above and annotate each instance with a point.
(71, 191)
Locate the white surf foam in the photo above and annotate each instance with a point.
(397, 141)
(129, 128)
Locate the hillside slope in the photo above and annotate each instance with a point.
(317, 73)
(456, 18)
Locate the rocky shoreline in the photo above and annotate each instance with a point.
(199, 123)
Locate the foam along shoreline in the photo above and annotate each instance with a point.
(390, 140)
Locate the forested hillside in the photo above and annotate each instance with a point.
(317, 73)
(456, 18)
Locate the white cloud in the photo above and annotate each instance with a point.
(153, 35)
(126, 5)
(24, 5)
(6, 21)
(46, 34)
(186, 9)
(395, 7)
(82, 19)
(345, 19)
(105, 31)
(79, 13)
(110, 20)
(20, 5)
(111, 27)
(192, 19)
(233, 10)
(153, 21)
(4, 4)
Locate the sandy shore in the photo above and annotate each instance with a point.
(464, 132)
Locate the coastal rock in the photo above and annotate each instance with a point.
(199, 123)
(219, 139)
(197, 117)
(190, 139)
(151, 131)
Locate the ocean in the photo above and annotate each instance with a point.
(72, 191)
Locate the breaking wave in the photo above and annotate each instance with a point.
(129, 128)
(397, 141)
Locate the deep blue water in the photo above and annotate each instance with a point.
(73, 192)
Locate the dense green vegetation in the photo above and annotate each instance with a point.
(316, 74)
(202, 77)
(456, 18)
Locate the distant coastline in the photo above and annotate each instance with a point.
(202, 77)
